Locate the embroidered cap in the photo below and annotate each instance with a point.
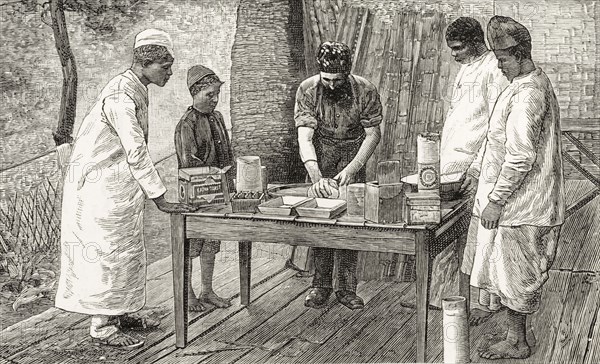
(154, 37)
(504, 32)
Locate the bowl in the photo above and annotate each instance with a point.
(449, 186)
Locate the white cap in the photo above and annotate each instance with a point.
(154, 37)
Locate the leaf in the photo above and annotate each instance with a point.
(9, 255)
(46, 272)
(32, 294)
(20, 301)
(13, 270)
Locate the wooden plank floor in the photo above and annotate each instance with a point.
(277, 328)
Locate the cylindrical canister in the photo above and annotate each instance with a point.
(248, 174)
(455, 330)
(428, 161)
(264, 178)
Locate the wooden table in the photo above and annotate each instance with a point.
(219, 223)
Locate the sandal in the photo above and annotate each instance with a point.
(120, 340)
(350, 300)
(137, 322)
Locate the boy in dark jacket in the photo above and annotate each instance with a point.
(201, 140)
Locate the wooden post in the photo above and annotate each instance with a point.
(423, 267)
(464, 279)
(181, 251)
(245, 255)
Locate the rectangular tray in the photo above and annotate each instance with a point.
(323, 208)
(282, 205)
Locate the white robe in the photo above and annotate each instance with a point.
(521, 169)
(476, 88)
(521, 161)
(103, 257)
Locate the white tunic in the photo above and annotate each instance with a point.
(521, 166)
(476, 88)
(103, 257)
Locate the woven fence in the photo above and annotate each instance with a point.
(32, 217)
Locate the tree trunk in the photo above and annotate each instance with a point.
(68, 101)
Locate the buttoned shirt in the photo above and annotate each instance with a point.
(201, 140)
(343, 119)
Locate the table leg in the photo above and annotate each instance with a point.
(464, 288)
(245, 250)
(181, 251)
(423, 279)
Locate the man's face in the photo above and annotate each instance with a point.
(158, 72)
(206, 99)
(462, 52)
(508, 64)
(333, 81)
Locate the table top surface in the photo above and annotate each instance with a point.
(223, 211)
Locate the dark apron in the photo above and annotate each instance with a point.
(334, 154)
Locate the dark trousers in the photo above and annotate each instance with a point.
(346, 272)
(333, 156)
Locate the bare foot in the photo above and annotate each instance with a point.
(212, 299)
(477, 316)
(301, 272)
(506, 349)
(194, 304)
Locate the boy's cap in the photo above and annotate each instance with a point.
(196, 73)
(504, 32)
(154, 37)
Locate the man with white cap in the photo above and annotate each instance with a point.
(110, 175)
(519, 204)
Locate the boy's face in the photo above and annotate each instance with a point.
(158, 72)
(207, 99)
(462, 52)
(508, 64)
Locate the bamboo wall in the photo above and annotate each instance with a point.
(402, 53)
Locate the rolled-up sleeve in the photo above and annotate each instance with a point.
(119, 110)
(523, 128)
(372, 112)
(304, 109)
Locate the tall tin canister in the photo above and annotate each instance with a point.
(428, 161)
(456, 330)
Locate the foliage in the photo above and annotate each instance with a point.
(29, 243)
(102, 16)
